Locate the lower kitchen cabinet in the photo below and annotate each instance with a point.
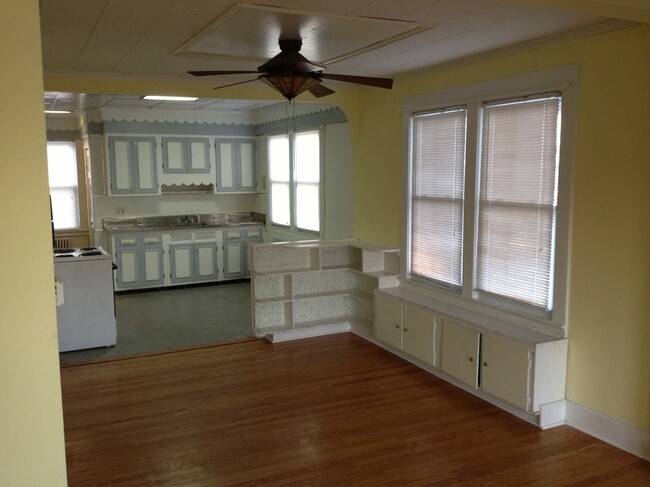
(406, 327)
(139, 261)
(235, 251)
(193, 262)
(460, 352)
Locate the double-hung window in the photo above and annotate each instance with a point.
(487, 212)
(64, 187)
(295, 180)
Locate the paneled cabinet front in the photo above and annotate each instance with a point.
(193, 261)
(406, 327)
(184, 155)
(132, 163)
(236, 165)
(139, 261)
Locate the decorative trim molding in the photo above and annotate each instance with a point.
(608, 429)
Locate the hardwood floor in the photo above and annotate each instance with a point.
(330, 411)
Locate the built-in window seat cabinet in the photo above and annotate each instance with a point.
(303, 289)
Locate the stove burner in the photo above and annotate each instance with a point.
(87, 249)
(63, 255)
(63, 251)
(90, 252)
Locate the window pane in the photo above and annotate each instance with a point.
(279, 161)
(517, 202)
(307, 207)
(280, 204)
(62, 175)
(437, 195)
(307, 157)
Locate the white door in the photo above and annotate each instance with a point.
(460, 352)
(505, 370)
(121, 166)
(247, 166)
(206, 261)
(182, 262)
(199, 155)
(418, 327)
(388, 320)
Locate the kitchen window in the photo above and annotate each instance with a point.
(488, 190)
(64, 185)
(295, 180)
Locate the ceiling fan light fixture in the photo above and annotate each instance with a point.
(289, 85)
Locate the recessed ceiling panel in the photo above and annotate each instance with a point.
(251, 32)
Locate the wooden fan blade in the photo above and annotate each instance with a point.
(218, 73)
(235, 84)
(320, 90)
(360, 80)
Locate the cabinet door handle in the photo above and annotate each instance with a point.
(484, 364)
(396, 326)
(471, 359)
(406, 329)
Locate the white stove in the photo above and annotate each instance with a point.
(85, 306)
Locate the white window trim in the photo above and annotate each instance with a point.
(292, 227)
(466, 303)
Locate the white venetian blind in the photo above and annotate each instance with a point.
(438, 145)
(518, 199)
(280, 179)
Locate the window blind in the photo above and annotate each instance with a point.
(518, 199)
(307, 155)
(438, 148)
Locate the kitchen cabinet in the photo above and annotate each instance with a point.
(132, 162)
(236, 251)
(406, 327)
(194, 261)
(236, 165)
(460, 352)
(186, 155)
(139, 260)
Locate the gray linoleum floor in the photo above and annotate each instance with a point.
(172, 319)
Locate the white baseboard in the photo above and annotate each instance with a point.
(314, 331)
(609, 430)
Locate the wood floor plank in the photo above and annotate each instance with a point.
(333, 410)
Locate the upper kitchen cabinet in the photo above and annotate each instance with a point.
(133, 165)
(186, 155)
(236, 165)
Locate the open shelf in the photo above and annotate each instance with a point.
(318, 284)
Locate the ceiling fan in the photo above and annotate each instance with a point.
(290, 73)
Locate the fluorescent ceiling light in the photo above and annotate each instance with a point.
(58, 111)
(169, 98)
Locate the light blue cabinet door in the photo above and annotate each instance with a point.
(151, 261)
(128, 267)
(206, 268)
(233, 258)
(181, 260)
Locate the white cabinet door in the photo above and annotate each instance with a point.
(206, 260)
(121, 165)
(128, 268)
(388, 320)
(152, 265)
(174, 155)
(505, 370)
(226, 165)
(233, 256)
(146, 175)
(247, 166)
(181, 258)
(199, 155)
(460, 352)
(418, 338)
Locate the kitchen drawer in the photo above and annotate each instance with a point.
(232, 235)
(253, 233)
(151, 238)
(127, 239)
(209, 235)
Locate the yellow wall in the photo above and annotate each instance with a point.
(31, 438)
(609, 351)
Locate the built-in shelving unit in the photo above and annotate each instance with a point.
(314, 288)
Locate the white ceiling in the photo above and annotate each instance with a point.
(162, 39)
